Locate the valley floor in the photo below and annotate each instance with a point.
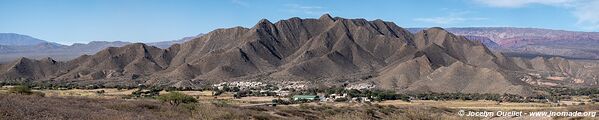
(15, 107)
(89, 104)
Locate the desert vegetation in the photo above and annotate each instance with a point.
(14, 106)
(176, 98)
(20, 89)
(24, 90)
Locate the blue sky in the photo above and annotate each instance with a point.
(81, 21)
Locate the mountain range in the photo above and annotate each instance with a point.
(14, 46)
(530, 42)
(13, 39)
(327, 51)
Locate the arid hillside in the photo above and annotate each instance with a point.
(531, 42)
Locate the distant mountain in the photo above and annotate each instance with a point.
(485, 40)
(534, 41)
(12, 39)
(61, 52)
(56, 51)
(166, 44)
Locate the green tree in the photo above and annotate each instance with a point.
(176, 98)
(20, 89)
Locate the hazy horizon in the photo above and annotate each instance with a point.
(86, 42)
(68, 21)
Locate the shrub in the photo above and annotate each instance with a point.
(217, 92)
(341, 100)
(176, 98)
(168, 89)
(220, 103)
(146, 94)
(281, 101)
(20, 89)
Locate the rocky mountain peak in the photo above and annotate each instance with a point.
(327, 17)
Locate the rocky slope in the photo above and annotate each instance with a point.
(530, 42)
(326, 51)
(559, 71)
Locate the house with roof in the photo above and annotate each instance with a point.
(305, 97)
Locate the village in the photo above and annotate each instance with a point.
(297, 91)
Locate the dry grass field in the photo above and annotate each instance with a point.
(108, 93)
(475, 105)
(110, 103)
(16, 107)
(206, 97)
